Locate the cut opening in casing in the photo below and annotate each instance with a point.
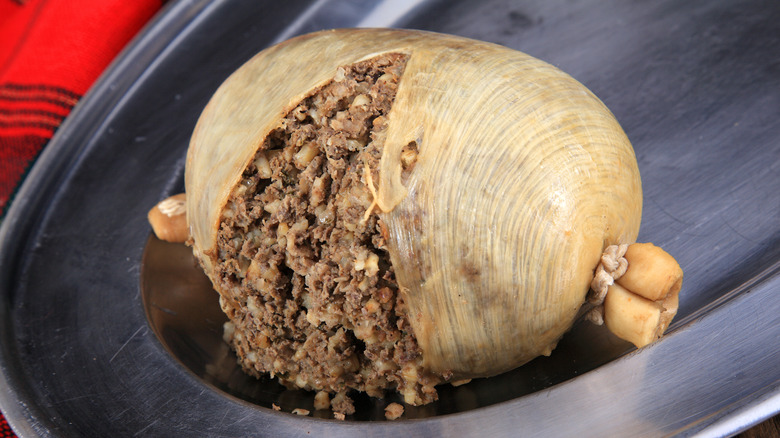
(303, 270)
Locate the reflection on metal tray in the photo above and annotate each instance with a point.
(696, 86)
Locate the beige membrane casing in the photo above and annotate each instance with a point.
(523, 178)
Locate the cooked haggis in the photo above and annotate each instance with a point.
(386, 209)
(306, 278)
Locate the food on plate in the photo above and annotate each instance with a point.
(392, 210)
(641, 302)
(393, 411)
(168, 219)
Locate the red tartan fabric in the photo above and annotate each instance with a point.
(5, 429)
(51, 52)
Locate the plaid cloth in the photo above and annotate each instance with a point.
(5, 429)
(51, 51)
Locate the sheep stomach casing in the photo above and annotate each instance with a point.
(522, 178)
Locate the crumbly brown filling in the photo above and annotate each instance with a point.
(304, 273)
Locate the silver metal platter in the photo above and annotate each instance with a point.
(106, 331)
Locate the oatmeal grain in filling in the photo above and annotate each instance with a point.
(307, 280)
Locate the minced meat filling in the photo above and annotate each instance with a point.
(306, 278)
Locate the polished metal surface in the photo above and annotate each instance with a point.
(105, 331)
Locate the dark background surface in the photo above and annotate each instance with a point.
(695, 85)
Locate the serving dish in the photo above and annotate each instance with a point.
(106, 331)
